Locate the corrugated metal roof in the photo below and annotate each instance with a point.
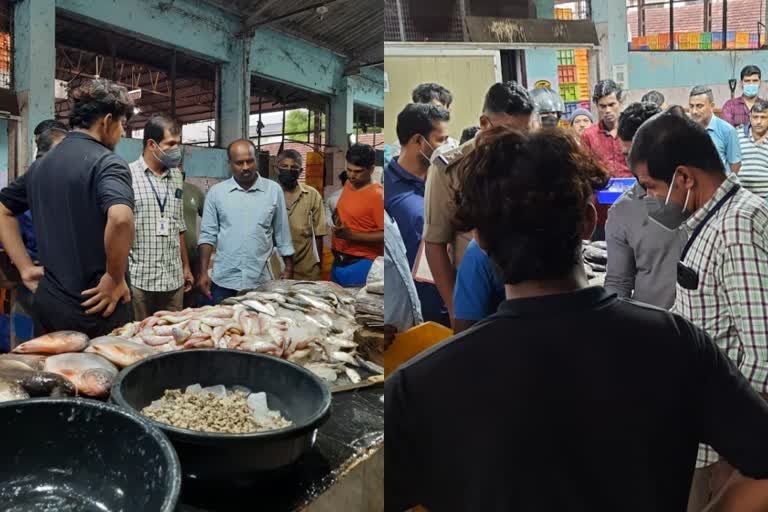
(352, 28)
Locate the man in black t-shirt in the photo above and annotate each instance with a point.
(81, 201)
(567, 399)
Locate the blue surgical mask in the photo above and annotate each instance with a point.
(750, 90)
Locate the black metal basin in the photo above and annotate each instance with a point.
(300, 395)
(76, 455)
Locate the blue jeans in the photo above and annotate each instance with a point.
(351, 275)
(219, 294)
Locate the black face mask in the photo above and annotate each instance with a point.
(288, 178)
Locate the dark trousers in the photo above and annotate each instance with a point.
(219, 294)
(55, 313)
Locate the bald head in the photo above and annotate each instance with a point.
(242, 162)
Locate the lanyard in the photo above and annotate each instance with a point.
(703, 223)
(157, 196)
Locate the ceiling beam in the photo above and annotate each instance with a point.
(263, 6)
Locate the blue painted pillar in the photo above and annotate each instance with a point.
(541, 63)
(342, 113)
(235, 91)
(34, 67)
(610, 18)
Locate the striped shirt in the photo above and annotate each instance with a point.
(730, 256)
(154, 263)
(754, 163)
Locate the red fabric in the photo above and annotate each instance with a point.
(608, 149)
(736, 111)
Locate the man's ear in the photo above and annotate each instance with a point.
(688, 176)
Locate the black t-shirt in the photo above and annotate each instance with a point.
(69, 192)
(575, 402)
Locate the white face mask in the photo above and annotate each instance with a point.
(670, 216)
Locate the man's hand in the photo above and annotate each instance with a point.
(106, 296)
(204, 283)
(189, 280)
(31, 277)
(341, 231)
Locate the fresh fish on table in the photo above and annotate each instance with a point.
(36, 382)
(260, 307)
(54, 343)
(120, 352)
(34, 361)
(10, 390)
(91, 374)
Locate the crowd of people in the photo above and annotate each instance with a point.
(567, 396)
(99, 242)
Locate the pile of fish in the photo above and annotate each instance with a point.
(310, 324)
(369, 301)
(595, 256)
(307, 323)
(55, 365)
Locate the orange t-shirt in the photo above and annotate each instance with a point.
(362, 211)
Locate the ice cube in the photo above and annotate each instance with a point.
(241, 389)
(219, 390)
(258, 404)
(193, 389)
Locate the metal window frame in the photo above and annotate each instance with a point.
(706, 27)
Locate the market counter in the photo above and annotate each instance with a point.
(344, 471)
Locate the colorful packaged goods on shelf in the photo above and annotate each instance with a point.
(653, 42)
(580, 57)
(705, 41)
(585, 105)
(582, 74)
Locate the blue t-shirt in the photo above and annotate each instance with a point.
(404, 201)
(478, 291)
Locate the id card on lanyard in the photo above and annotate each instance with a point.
(163, 224)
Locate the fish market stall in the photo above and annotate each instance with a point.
(314, 325)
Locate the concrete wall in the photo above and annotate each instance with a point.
(467, 76)
(541, 63)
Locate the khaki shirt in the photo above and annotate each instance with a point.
(439, 205)
(306, 217)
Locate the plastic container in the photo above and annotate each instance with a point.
(568, 92)
(412, 342)
(570, 108)
(616, 187)
(585, 105)
(663, 41)
(583, 92)
(566, 74)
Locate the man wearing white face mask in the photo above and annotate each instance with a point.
(158, 263)
(422, 130)
(722, 276)
(642, 257)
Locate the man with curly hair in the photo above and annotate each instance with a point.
(535, 408)
(82, 203)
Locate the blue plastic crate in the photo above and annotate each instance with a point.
(570, 108)
(616, 187)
